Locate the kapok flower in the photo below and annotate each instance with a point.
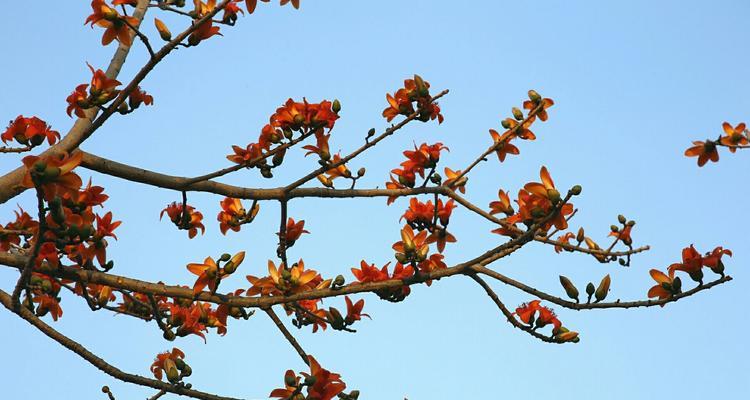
(503, 147)
(116, 25)
(29, 131)
(354, 310)
(48, 304)
(209, 273)
(233, 215)
(138, 97)
(666, 285)
(534, 103)
(453, 182)
(370, 273)
(692, 263)
(705, 151)
(502, 205)
(245, 156)
(713, 259)
(204, 31)
(624, 234)
(414, 91)
(281, 281)
(53, 174)
(323, 384)
(190, 220)
(168, 362)
(735, 136)
(411, 247)
(294, 230)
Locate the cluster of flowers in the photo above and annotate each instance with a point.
(414, 97)
(71, 228)
(101, 91)
(536, 316)
(421, 159)
(319, 384)
(622, 233)
(535, 203)
(733, 138)
(233, 215)
(692, 263)
(29, 131)
(519, 126)
(301, 117)
(424, 217)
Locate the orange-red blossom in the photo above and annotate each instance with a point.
(209, 273)
(115, 25)
(29, 131)
(53, 174)
(169, 363)
(320, 383)
(414, 91)
(190, 220)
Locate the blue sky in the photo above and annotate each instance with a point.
(634, 82)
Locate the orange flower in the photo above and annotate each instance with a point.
(281, 281)
(209, 273)
(666, 285)
(190, 222)
(48, 304)
(305, 116)
(138, 97)
(502, 205)
(451, 181)
(370, 273)
(115, 25)
(545, 103)
(411, 247)
(713, 259)
(624, 234)
(324, 385)
(564, 238)
(204, 31)
(704, 151)
(53, 174)
(692, 262)
(246, 155)
(29, 131)
(168, 363)
(527, 313)
(294, 230)
(414, 91)
(503, 145)
(78, 101)
(233, 215)
(734, 136)
(354, 310)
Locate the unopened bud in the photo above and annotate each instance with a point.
(164, 32)
(336, 107)
(603, 289)
(361, 172)
(569, 287)
(225, 257)
(371, 132)
(534, 96)
(576, 190)
(621, 218)
(517, 113)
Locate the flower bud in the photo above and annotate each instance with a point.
(505, 123)
(225, 257)
(570, 289)
(621, 219)
(614, 228)
(517, 113)
(164, 32)
(534, 96)
(553, 195)
(339, 280)
(336, 107)
(603, 289)
(371, 132)
(168, 335)
(290, 379)
(576, 190)
(590, 289)
(361, 172)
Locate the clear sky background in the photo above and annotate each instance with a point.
(634, 82)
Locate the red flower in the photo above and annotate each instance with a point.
(735, 136)
(190, 222)
(53, 174)
(294, 230)
(414, 91)
(354, 310)
(115, 25)
(704, 151)
(204, 31)
(167, 362)
(29, 131)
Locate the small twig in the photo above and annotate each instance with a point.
(288, 335)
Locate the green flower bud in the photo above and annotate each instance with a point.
(336, 107)
(603, 289)
(569, 287)
(517, 113)
(576, 190)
